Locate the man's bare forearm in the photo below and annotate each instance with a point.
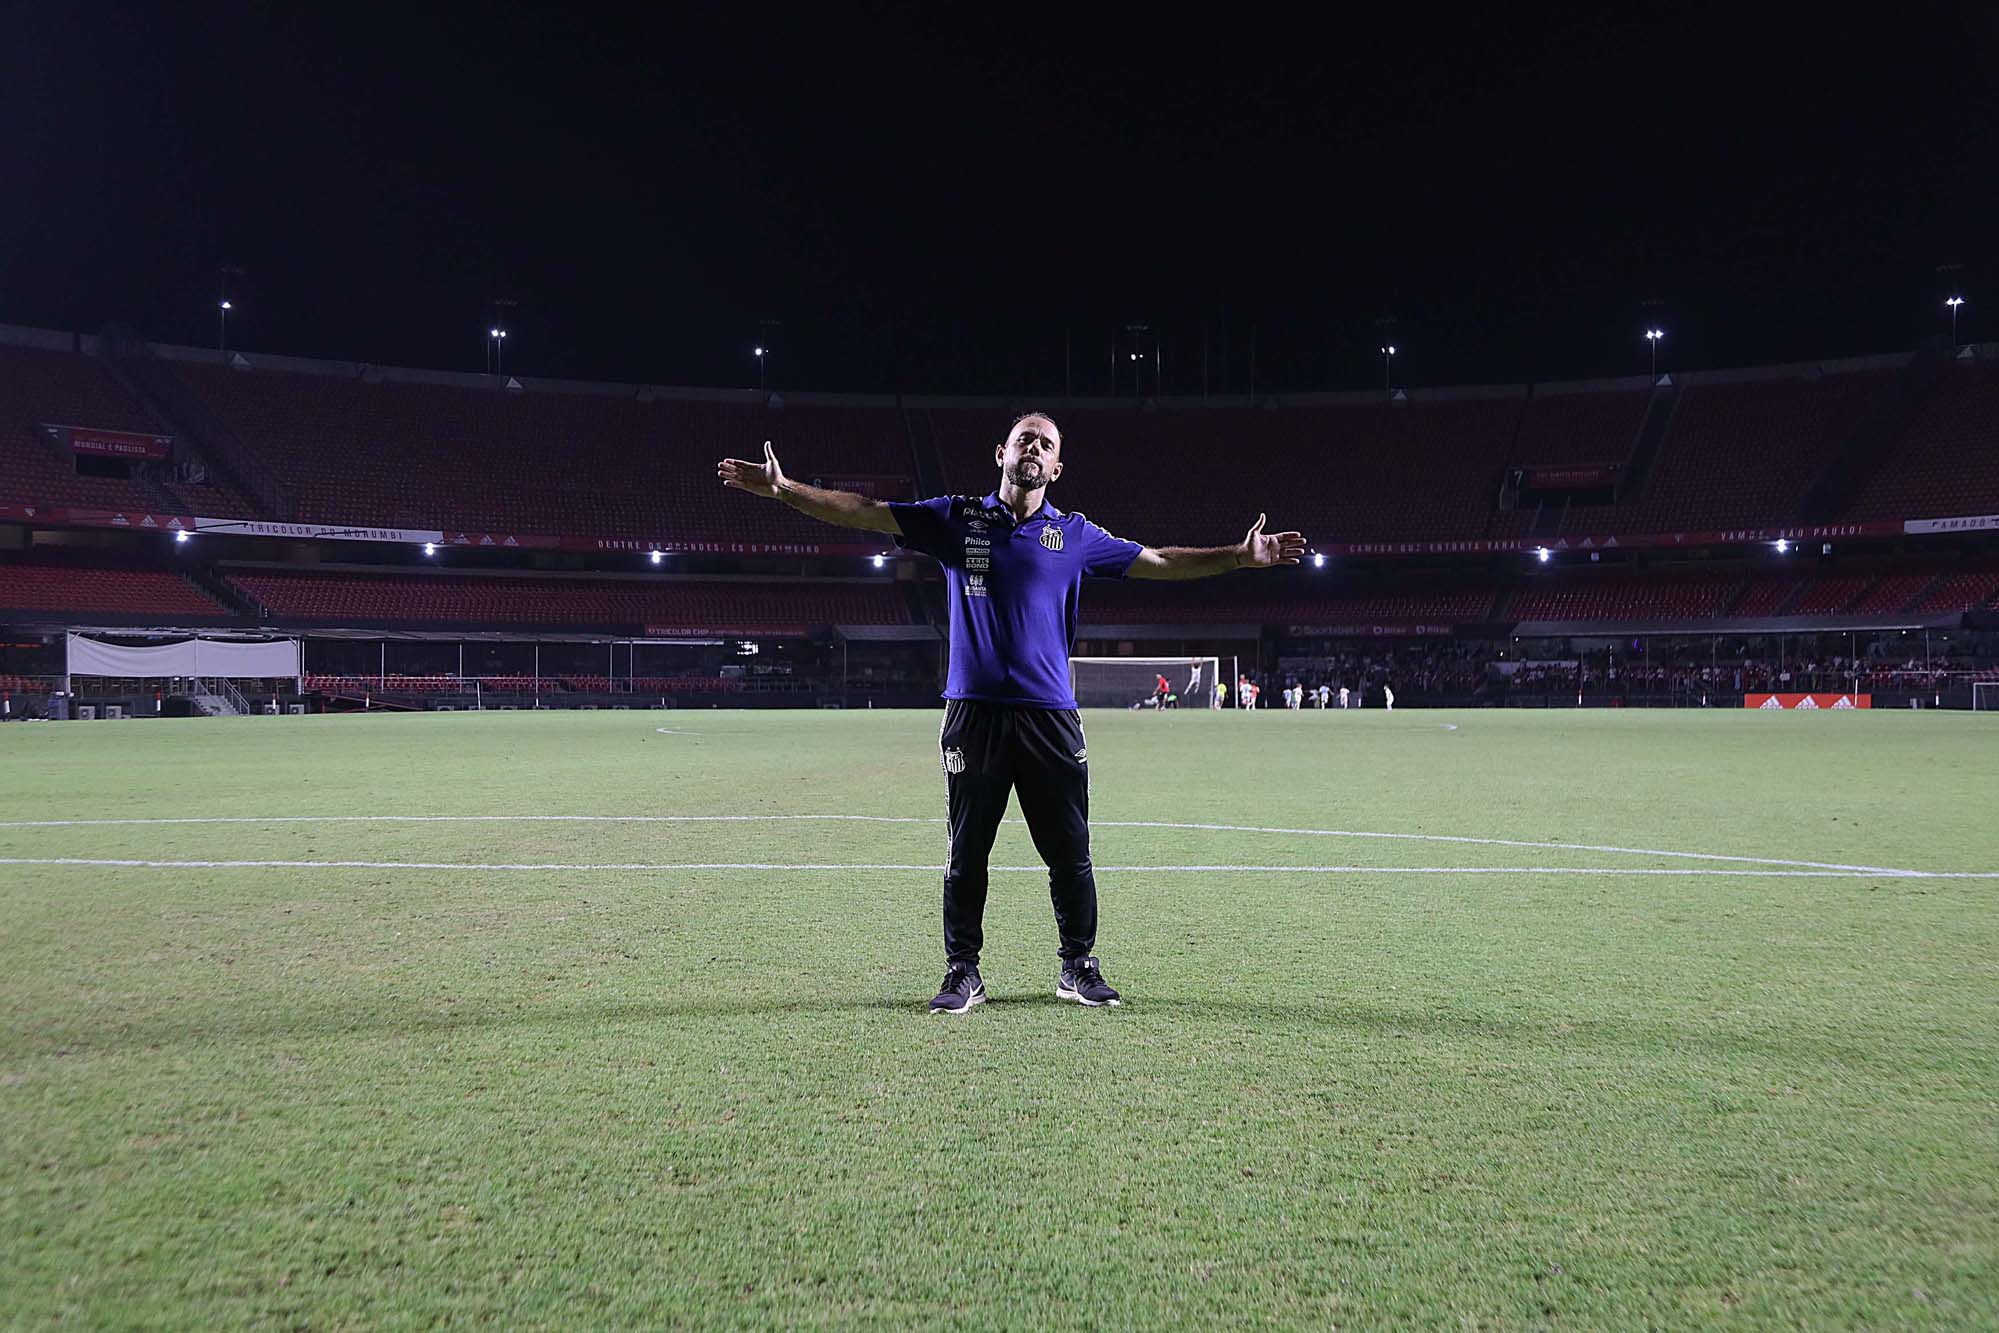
(842, 507)
(1187, 562)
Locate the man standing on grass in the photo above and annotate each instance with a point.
(1013, 567)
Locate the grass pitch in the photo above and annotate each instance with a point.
(383, 1095)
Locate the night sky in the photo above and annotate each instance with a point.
(936, 200)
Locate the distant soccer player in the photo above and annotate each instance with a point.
(1221, 694)
(1388, 695)
(1194, 680)
(1161, 690)
(1013, 565)
(1343, 696)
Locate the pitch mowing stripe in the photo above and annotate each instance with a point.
(124, 863)
(927, 819)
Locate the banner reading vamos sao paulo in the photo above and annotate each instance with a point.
(1807, 701)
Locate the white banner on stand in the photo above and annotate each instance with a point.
(184, 657)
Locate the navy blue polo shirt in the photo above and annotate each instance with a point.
(1014, 590)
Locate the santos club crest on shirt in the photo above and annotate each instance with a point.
(1051, 537)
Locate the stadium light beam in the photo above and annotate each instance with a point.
(1543, 554)
(654, 557)
(430, 548)
(180, 537)
(1318, 559)
(1783, 546)
(1954, 302)
(879, 560)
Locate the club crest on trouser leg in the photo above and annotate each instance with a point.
(954, 760)
(1051, 537)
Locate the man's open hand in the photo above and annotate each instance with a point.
(1260, 549)
(759, 478)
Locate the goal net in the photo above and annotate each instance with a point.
(1133, 682)
(1984, 696)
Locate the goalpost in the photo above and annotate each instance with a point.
(1985, 696)
(1125, 682)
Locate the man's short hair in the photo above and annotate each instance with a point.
(1025, 415)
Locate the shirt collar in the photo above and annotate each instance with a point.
(1047, 511)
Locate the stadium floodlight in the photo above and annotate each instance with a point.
(430, 548)
(1652, 337)
(1954, 302)
(222, 309)
(1387, 374)
(180, 536)
(654, 557)
(227, 306)
(760, 351)
(1543, 554)
(1783, 546)
(1318, 559)
(879, 560)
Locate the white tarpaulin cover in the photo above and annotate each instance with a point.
(185, 657)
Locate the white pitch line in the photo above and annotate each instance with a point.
(675, 731)
(926, 819)
(1502, 842)
(124, 863)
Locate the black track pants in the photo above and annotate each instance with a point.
(989, 750)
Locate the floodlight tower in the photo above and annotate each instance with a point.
(496, 348)
(1954, 302)
(223, 307)
(1652, 337)
(1388, 368)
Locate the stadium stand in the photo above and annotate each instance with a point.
(1363, 470)
(1664, 595)
(88, 582)
(61, 388)
(1249, 597)
(1567, 428)
(70, 389)
(1941, 462)
(1744, 453)
(574, 464)
(741, 606)
(1561, 429)
(1966, 590)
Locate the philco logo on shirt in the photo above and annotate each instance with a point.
(1051, 537)
(978, 554)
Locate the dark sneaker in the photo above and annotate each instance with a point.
(961, 990)
(1082, 980)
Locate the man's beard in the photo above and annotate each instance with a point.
(1027, 476)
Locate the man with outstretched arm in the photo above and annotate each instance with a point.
(1013, 566)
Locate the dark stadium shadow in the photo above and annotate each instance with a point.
(1335, 1015)
(156, 1032)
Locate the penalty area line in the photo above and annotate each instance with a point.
(931, 819)
(125, 863)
